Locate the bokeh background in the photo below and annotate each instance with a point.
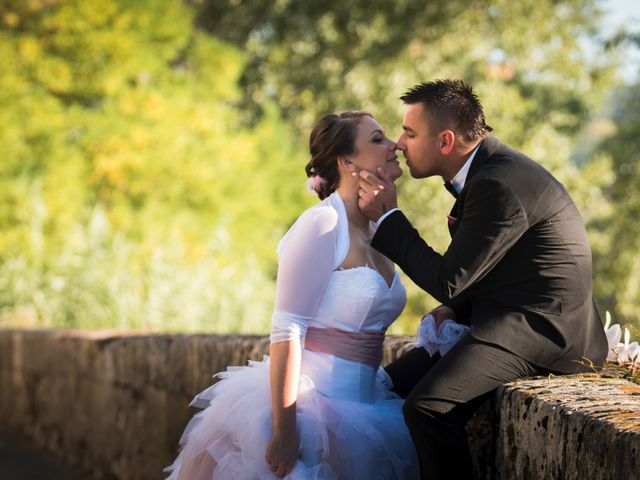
(152, 152)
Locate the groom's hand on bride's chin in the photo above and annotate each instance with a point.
(377, 194)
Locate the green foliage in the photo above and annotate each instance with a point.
(137, 199)
(616, 258)
(148, 171)
(313, 58)
(106, 280)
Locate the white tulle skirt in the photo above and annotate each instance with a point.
(339, 439)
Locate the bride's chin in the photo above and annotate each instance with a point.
(395, 174)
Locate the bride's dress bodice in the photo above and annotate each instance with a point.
(355, 300)
(358, 299)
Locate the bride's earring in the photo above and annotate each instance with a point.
(349, 162)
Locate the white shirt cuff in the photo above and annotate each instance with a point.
(381, 219)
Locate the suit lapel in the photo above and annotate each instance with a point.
(453, 225)
(487, 148)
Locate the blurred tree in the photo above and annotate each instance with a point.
(302, 53)
(312, 58)
(127, 170)
(617, 260)
(139, 194)
(609, 150)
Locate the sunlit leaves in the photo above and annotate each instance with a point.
(123, 164)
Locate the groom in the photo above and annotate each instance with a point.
(517, 271)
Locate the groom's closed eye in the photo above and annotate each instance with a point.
(408, 132)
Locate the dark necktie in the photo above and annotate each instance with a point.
(450, 188)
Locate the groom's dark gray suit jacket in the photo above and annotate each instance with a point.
(518, 269)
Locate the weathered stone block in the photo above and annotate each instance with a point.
(576, 427)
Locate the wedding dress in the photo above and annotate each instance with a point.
(349, 423)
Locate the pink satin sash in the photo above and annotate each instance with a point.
(358, 347)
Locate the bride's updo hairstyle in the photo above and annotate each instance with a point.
(334, 135)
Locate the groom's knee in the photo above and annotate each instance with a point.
(432, 418)
(410, 412)
(419, 413)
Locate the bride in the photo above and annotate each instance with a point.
(320, 407)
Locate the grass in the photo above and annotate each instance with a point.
(102, 280)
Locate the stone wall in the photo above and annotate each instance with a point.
(115, 405)
(581, 427)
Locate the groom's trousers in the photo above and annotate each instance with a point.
(442, 393)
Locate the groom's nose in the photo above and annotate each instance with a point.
(400, 143)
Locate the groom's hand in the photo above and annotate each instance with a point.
(442, 313)
(377, 194)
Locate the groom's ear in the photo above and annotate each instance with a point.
(447, 141)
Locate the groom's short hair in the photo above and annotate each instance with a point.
(451, 104)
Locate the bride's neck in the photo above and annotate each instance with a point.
(349, 197)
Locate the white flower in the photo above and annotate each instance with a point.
(634, 354)
(613, 333)
(628, 352)
(625, 353)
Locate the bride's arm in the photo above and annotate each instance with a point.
(282, 450)
(307, 256)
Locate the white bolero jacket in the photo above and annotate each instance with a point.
(309, 252)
